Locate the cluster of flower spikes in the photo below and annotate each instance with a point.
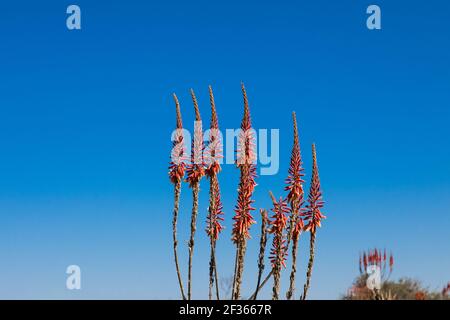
(376, 257)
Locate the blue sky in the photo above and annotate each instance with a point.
(86, 118)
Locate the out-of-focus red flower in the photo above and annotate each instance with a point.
(365, 260)
(391, 262)
(420, 295)
(378, 258)
(446, 290)
(360, 264)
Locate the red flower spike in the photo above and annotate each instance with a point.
(278, 223)
(365, 261)
(391, 262)
(246, 140)
(243, 218)
(360, 264)
(294, 180)
(446, 290)
(177, 168)
(294, 187)
(313, 215)
(215, 143)
(215, 215)
(378, 258)
(195, 170)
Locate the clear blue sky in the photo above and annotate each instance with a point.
(86, 117)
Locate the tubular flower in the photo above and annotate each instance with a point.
(177, 163)
(313, 215)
